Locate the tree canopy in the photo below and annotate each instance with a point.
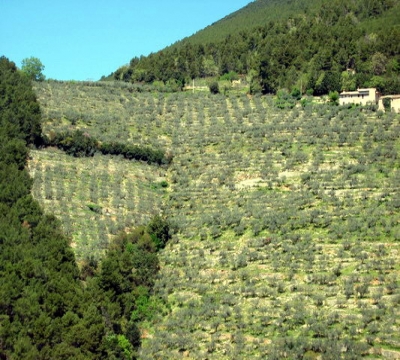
(33, 68)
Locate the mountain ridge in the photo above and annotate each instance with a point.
(293, 49)
(262, 12)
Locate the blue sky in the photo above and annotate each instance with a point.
(85, 39)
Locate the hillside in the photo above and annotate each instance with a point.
(96, 197)
(292, 44)
(285, 222)
(51, 308)
(255, 14)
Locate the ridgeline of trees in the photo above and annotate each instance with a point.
(339, 45)
(49, 309)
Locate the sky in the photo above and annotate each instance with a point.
(85, 39)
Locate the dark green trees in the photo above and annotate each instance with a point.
(80, 144)
(214, 88)
(267, 78)
(123, 286)
(159, 230)
(20, 113)
(45, 311)
(296, 51)
(40, 302)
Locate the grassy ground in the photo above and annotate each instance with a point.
(287, 221)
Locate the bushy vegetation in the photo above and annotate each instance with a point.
(322, 46)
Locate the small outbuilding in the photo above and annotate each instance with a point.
(361, 97)
(391, 102)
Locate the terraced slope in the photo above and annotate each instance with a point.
(289, 234)
(287, 222)
(95, 198)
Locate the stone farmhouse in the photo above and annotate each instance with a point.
(394, 101)
(361, 97)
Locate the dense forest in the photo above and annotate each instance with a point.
(324, 46)
(50, 308)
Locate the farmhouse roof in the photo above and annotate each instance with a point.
(358, 91)
(393, 97)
